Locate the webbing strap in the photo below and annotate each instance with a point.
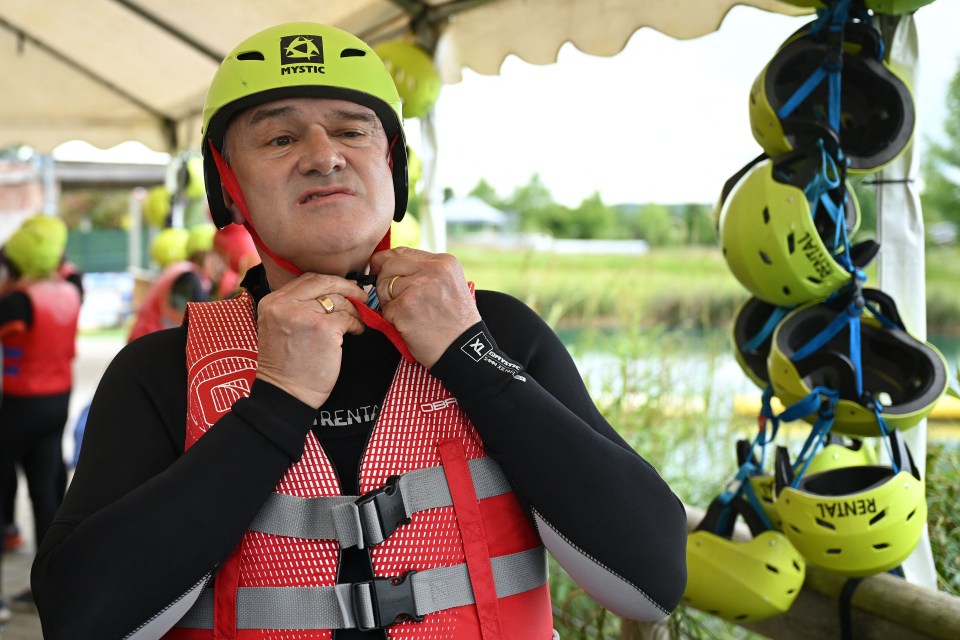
(351, 606)
(475, 548)
(354, 522)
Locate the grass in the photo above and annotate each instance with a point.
(688, 287)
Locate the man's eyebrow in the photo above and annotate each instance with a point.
(356, 114)
(267, 113)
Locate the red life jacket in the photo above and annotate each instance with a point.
(39, 361)
(156, 310)
(420, 429)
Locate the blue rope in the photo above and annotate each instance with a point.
(753, 344)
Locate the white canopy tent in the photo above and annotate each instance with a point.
(108, 71)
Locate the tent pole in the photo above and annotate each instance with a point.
(901, 258)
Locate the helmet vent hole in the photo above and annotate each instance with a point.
(791, 243)
(877, 518)
(797, 566)
(766, 259)
(834, 552)
(742, 616)
(814, 280)
(766, 215)
(912, 513)
(251, 55)
(772, 569)
(352, 53)
(825, 524)
(882, 545)
(786, 291)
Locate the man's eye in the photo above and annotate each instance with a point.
(281, 141)
(351, 133)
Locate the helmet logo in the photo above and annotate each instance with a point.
(301, 48)
(297, 50)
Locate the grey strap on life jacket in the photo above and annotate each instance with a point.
(368, 520)
(375, 604)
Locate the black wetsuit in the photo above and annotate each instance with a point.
(143, 522)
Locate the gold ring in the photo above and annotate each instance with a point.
(326, 303)
(390, 287)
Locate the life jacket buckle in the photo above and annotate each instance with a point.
(391, 601)
(387, 505)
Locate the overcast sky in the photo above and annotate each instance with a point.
(664, 121)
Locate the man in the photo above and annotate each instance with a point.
(461, 423)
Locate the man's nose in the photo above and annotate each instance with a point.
(321, 153)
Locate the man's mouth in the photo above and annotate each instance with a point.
(316, 195)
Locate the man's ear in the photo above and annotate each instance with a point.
(231, 206)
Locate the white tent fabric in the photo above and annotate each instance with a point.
(107, 71)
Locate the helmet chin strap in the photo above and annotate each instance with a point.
(370, 317)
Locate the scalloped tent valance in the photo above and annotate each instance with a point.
(107, 71)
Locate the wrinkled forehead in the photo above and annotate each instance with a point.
(309, 109)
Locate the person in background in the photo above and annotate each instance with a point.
(359, 446)
(237, 253)
(184, 257)
(39, 313)
(9, 274)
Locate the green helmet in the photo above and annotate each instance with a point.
(895, 7)
(856, 521)
(877, 112)
(906, 375)
(36, 247)
(776, 244)
(300, 59)
(753, 327)
(169, 246)
(156, 206)
(838, 454)
(413, 72)
(741, 580)
(200, 238)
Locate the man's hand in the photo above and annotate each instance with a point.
(426, 297)
(300, 341)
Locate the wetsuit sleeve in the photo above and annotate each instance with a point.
(603, 512)
(144, 523)
(16, 313)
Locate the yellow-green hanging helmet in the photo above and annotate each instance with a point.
(752, 318)
(839, 454)
(413, 72)
(857, 521)
(772, 241)
(36, 247)
(169, 246)
(200, 238)
(877, 117)
(156, 206)
(894, 7)
(191, 177)
(906, 375)
(301, 59)
(741, 580)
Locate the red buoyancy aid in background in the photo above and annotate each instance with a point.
(39, 361)
(155, 310)
(420, 428)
